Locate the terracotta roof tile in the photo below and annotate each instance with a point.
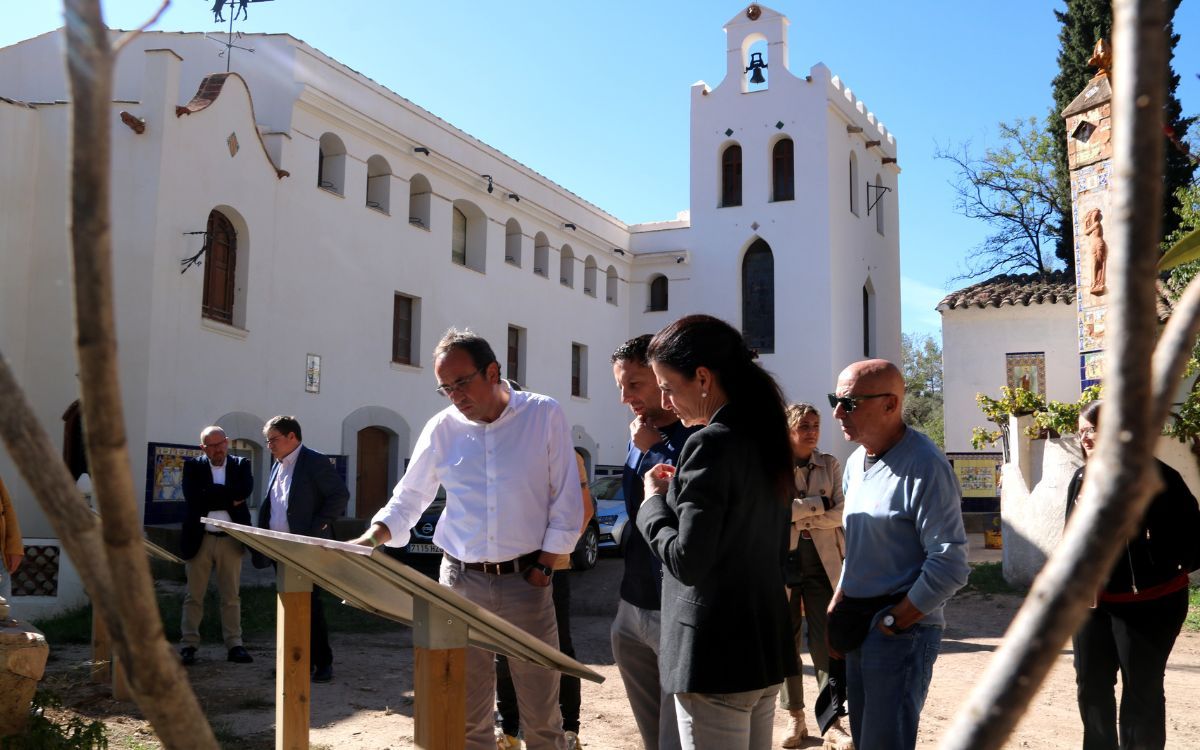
(1014, 289)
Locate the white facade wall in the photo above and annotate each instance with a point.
(317, 269)
(974, 344)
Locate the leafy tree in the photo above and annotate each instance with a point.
(1083, 23)
(1013, 189)
(922, 368)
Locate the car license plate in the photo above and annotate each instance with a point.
(424, 549)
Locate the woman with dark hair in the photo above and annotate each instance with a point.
(1137, 615)
(719, 523)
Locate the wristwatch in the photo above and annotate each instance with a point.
(889, 621)
(546, 570)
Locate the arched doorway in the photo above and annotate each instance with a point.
(371, 482)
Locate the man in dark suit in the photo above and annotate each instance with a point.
(305, 496)
(215, 486)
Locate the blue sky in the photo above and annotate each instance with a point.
(595, 95)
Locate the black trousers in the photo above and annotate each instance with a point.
(1134, 639)
(568, 686)
(319, 652)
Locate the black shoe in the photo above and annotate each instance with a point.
(188, 655)
(323, 674)
(240, 655)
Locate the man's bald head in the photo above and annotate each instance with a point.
(876, 418)
(879, 375)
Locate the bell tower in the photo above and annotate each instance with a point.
(757, 23)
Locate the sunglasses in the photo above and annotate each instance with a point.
(850, 403)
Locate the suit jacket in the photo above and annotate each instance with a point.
(318, 496)
(721, 533)
(203, 497)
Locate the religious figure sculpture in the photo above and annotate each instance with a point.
(1093, 228)
(1101, 58)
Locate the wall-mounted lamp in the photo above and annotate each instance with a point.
(488, 177)
(421, 150)
(680, 258)
(515, 197)
(618, 251)
(570, 226)
(757, 65)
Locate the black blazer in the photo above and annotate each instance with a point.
(722, 535)
(318, 496)
(202, 497)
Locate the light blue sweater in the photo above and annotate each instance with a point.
(904, 527)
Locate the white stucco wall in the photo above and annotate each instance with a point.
(317, 271)
(974, 344)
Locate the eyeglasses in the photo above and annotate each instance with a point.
(276, 439)
(458, 385)
(850, 403)
(1087, 432)
(217, 444)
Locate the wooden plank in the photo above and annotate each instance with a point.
(292, 678)
(440, 705)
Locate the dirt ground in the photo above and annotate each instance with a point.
(369, 703)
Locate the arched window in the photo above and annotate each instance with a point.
(331, 164)
(379, 184)
(566, 267)
(853, 183)
(220, 268)
(868, 318)
(731, 176)
(541, 255)
(458, 237)
(783, 171)
(758, 297)
(512, 242)
(610, 285)
(658, 294)
(419, 192)
(879, 203)
(589, 276)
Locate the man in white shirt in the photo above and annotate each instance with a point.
(513, 509)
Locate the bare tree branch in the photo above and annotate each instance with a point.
(131, 35)
(155, 675)
(1122, 478)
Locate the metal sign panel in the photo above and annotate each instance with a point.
(374, 582)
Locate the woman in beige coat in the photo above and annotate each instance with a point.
(817, 548)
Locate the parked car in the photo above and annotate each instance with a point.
(421, 543)
(611, 514)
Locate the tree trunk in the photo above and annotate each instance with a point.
(1121, 476)
(130, 610)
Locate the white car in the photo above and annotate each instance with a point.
(611, 513)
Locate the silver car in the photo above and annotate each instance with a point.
(611, 513)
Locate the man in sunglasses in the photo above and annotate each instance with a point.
(513, 508)
(906, 555)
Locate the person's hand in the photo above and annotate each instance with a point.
(539, 575)
(906, 615)
(643, 434)
(12, 562)
(658, 479)
(376, 535)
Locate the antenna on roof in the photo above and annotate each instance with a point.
(237, 8)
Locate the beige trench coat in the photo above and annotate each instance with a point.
(821, 478)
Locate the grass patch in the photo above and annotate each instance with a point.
(258, 618)
(1192, 622)
(988, 578)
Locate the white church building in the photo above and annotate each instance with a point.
(340, 229)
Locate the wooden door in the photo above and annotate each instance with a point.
(371, 488)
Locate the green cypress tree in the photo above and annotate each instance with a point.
(1083, 22)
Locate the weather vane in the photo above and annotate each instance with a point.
(238, 9)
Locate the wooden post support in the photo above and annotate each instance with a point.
(440, 679)
(293, 683)
(101, 649)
